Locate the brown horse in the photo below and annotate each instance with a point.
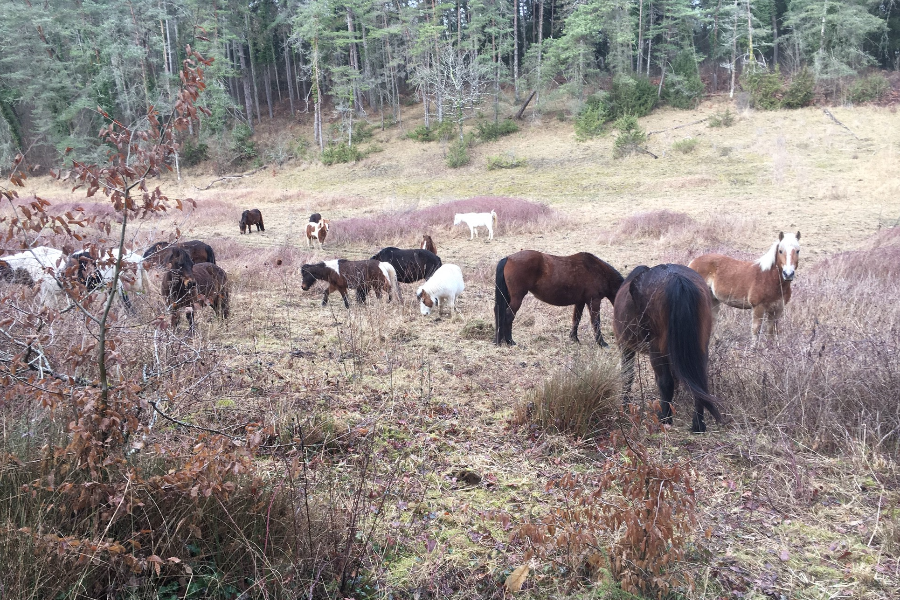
(666, 311)
(763, 285)
(317, 230)
(363, 275)
(581, 279)
(428, 244)
(249, 218)
(211, 285)
(199, 252)
(178, 287)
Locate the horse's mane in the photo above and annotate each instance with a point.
(767, 260)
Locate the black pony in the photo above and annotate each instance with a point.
(198, 251)
(666, 311)
(411, 265)
(249, 218)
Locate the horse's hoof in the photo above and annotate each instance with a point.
(603, 344)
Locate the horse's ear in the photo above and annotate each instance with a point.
(780, 235)
(798, 235)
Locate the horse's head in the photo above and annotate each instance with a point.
(243, 222)
(308, 278)
(425, 301)
(787, 258)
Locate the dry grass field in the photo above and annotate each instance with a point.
(797, 497)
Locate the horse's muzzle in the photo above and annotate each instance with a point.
(787, 276)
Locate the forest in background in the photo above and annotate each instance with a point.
(353, 60)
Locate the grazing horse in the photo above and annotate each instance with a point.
(199, 252)
(211, 284)
(317, 230)
(428, 244)
(178, 287)
(443, 288)
(763, 285)
(249, 218)
(475, 220)
(363, 275)
(581, 279)
(411, 265)
(666, 311)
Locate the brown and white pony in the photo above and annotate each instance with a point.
(428, 244)
(362, 275)
(317, 230)
(666, 312)
(763, 285)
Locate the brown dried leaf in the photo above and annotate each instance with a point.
(516, 579)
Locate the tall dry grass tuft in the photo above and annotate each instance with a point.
(581, 398)
(513, 215)
(679, 231)
(831, 379)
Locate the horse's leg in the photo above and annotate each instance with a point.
(360, 295)
(346, 297)
(576, 320)
(515, 303)
(472, 232)
(628, 359)
(189, 313)
(665, 381)
(325, 295)
(774, 315)
(759, 312)
(594, 309)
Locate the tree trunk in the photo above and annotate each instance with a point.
(540, 52)
(734, 50)
(775, 37)
(245, 76)
(367, 66)
(317, 96)
(354, 60)
(277, 79)
(640, 43)
(715, 51)
(252, 66)
(516, 49)
(287, 72)
(649, 35)
(268, 81)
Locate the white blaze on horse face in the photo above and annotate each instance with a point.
(788, 252)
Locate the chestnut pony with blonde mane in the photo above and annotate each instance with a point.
(763, 285)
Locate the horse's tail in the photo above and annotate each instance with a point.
(501, 302)
(686, 306)
(210, 254)
(391, 275)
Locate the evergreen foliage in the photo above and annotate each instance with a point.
(591, 121)
(489, 131)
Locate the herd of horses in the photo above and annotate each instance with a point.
(667, 311)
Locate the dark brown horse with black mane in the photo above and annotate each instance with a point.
(249, 218)
(581, 279)
(666, 311)
(362, 275)
(198, 251)
(411, 265)
(186, 283)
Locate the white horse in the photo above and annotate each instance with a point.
(444, 287)
(475, 220)
(41, 263)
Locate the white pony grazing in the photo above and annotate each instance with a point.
(475, 220)
(444, 287)
(40, 263)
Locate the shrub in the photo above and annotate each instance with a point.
(868, 89)
(722, 118)
(631, 96)
(764, 87)
(801, 90)
(341, 153)
(193, 153)
(592, 119)
(636, 515)
(490, 131)
(683, 86)
(504, 162)
(241, 144)
(421, 134)
(362, 132)
(580, 399)
(685, 146)
(458, 154)
(631, 137)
